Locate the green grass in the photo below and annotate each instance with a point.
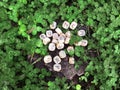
(18, 17)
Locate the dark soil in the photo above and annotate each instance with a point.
(68, 70)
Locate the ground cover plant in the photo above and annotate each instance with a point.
(22, 51)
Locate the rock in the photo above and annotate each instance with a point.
(63, 35)
(81, 69)
(55, 36)
(70, 48)
(58, 30)
(65, 25)
(67, 40)
(57, 67)
(83, 43)
(81, 33)
(71, 60)
(68, 34)
(62, 54)
(53, 25)
(51, 47)
(55, 41)
(49, 33)
(47, 59)
(60, 45)
(46, 41)
(68, 70)
(73, 25)
(42, 36)
(57, 59)
(61, 38)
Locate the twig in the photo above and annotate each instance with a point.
(29, 31)
(31, 57)
(36, 61)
